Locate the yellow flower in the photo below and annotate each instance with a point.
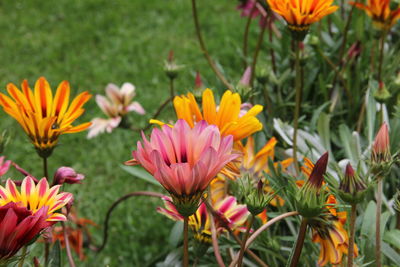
(227, 116)
(382, 16)
(300, 14)
(36, 197)
(43, 117)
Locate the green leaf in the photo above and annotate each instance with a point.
(390, 253)
(55, 255)
(393, 237)
(368, 225)
(323, 130)
(176, 234)
(141, 174)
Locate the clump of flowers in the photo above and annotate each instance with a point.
(25, 214)
(44, 117)
(116, 106)
(184, 160)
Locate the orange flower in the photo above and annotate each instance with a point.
(382, 16)
(300, 14)
(43, 117)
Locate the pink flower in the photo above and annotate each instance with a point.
(4, 165)
(116, 105)
(185, 160)
(381, 146)
(253, 9)
(67, 175)
(228, 214)
(18, 226)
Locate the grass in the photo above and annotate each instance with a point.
(91, 43)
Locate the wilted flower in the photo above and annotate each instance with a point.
(184, 160)
(43, 117)
(300, 14)
(116, 105)
(328, 230)
(226, 116)
(228, 214)
(4, 165)
(352, 188)
(310, 197)
(383, 17)
(67, 175)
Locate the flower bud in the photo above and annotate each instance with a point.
(255, 197)
(352, 188)
(381, 159)
(67, 175)
(310, 200)
(198, 86)
(170, 67)
(36, 262)
(262, 73)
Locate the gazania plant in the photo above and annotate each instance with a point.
(275, 144)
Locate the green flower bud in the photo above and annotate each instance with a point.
(352, 188)
(171, 69)
(310, 199)
(382, 94)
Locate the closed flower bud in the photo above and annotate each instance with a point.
(352, 188)
(262, 73)
(255, 197)
(381, 158)
(198, 86)
(67, 175)
(310, 198)
(170, 67)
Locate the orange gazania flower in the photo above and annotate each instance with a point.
(300, 14)
(43, 117)
(382, 16)
(227, 116)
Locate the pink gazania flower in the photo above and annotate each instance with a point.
(184, 160)
(4, 165)
(67, 175)
(24, 214)
(116, 105)
(228, 214)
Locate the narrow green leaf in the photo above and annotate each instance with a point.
(141, 174)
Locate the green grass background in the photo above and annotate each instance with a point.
(91, 43)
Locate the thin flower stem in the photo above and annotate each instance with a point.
(217, 252)
(113, 206)
(171, 88)
(204, 49)
(246, 36)
(294, 260)
(22, 260)
(350, 251)
(246, 236)
(45, 168)
(381, 55)
(223, 223)
(185, 241)
(378, 223)
(271, 50)
(256, 53)
(67, 246)
(262, 229)
(298, 86)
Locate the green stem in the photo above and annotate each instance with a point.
(246, 37)
(204, 49)
(298, 86)
(378, 223)
(45, 168)
(299, 243)
(381, 55)
(185, 241)
(255, 57)
(350, 251)
(22, 260)
(246, 236)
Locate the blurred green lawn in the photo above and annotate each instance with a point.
(91, 43)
